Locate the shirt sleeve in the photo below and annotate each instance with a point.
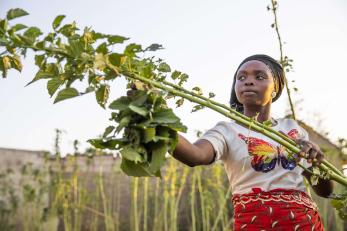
(216, 136)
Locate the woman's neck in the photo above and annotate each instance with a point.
(264, 112)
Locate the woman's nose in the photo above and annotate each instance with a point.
(249, 83)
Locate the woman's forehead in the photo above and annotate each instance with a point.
(254, 65)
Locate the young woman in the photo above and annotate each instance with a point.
(267, 185)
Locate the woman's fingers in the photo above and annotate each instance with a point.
(312, 153)
(320, 157)
(309, 150)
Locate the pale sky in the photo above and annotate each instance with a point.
(207, 40)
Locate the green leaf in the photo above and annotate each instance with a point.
(102, 48)
(139, 110)
(51, 71)
(182, 78)
(123, 123)
(110, 144)
(16, 13)
(164, 67)
(177, 127)
(57, 21)
(173, 141)
(76, 48)
(68, 30)
(148, 134)
(338, 204)
(3, 26)
(108, 130)
(154, 47)
(115, 59)
(32, 33)
(102, 94)
(314, 179)
(53, 85)
(165, 116)
(132, 49)
(120, 103)
(130, 154)
(139, 98)
(135, 169)
(39, 60)
(175, 74)
(66, 93)
(158, 156)
(112, 39)
(267, 123)
(18, 27)
(3, 42)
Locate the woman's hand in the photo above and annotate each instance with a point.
(310, 151)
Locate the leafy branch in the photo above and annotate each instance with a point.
(145, 128)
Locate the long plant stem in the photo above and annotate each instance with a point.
(252, 125)
(227, 108)
(274, 10)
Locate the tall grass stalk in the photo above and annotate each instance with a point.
(192, 201)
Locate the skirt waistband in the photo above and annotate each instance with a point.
(283, 195)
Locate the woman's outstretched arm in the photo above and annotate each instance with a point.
(199, 153)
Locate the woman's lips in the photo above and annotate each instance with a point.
(248, 93)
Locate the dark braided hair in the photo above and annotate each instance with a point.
(277, 72)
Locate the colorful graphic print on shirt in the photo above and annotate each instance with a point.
(265, 156)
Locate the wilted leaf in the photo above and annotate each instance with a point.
(100, 61)
(102, 94)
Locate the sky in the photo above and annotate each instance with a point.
(205, 39)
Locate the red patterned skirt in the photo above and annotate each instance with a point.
(278, 209)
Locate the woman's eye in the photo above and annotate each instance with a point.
(260, 77)
(241, 77)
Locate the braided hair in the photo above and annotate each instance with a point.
(277, 72)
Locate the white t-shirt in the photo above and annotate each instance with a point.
(262, 163)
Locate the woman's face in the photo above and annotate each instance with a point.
(254, 84)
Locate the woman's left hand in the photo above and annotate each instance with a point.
(310, 151)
